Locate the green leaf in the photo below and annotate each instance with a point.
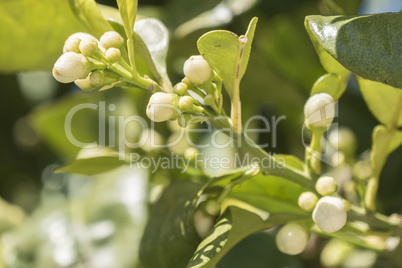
(33, 33)
(228, 54)
(342, 7)
(384, 143)
(367, 45)
(89, 14)
(93, 161)
(128, 12)
(291, 161)
(234, 226)
(332, 84)
(382, 100)
(171, 221)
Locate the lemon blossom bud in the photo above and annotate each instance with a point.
(113, 54)
(319, 110)
(292, 239)
(330, 214)
(88, 46)
(197, 70)
(180, 89)
(72, 43)
(186, 104)
(84, 84)
(163, 107)
(71, 66)
(97, 78)
(307, 201)
(326, 185)
(203, 222)
(111, 39)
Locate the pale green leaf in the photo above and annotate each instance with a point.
(384, 143)
(367, 45)
(332, 84)
(382, 100)
(227, 54)
(128, 12)
(33, 32)
(89, 14)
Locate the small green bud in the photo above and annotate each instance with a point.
(212, 207)
(113, 54)
(180, 89)
(197, 70)
(97, 78)
(186, 104)
(111, 39)
(210, 100)
(88, 46)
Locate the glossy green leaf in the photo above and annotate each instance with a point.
(33, 32)
(227, 54)
(234, 226)
(128, 12)
(89, 14)
(332, 84)
(171, 221)
(384, 143)
(367, 45)
(383, 101)
(93, 161)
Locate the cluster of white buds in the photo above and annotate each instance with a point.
(292, 238)
(319, 111)
(91, 63)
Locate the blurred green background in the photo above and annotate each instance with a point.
(282, 68)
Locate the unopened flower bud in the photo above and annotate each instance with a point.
(319, 110)
(197, 70)
(186, 104)
(72, 43)
(84, 84)
(326, 185)
(113, 54)
(70, 67)
(330, 214)
(163, 107)
(343, 139)
(111, 39)
(190, 153)
(203, 222)
(97, 78)
(180, 89)
(292, 239)
(210, 100)
(212, 207)
(307, 201)
(88, 46)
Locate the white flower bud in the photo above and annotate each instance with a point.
(326, 185)
(186, 104)
(319, 110)
(197, 70)
(70, 67)
(180, 88)
(111, 39)
(72, 43)
(307, 201)
(113, 54)
(330, 214)
(163, 107)
(292, 239)
(88, 46)
(84, 84)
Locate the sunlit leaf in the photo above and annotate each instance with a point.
(367, 45)
(33, 32)
(332, 84)
(384, 143)
(128, 12)
(227, 54)
(382, 100)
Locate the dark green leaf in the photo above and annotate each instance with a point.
(367, 45)
(383, 101)
(227, 54)
(234, 225)
(171, 221)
